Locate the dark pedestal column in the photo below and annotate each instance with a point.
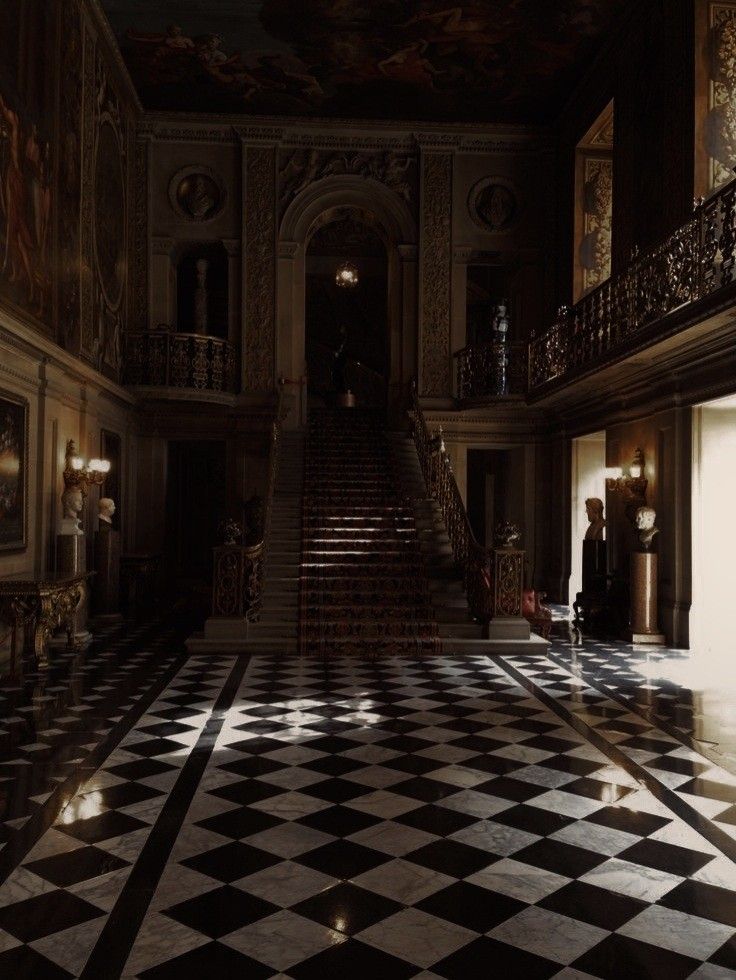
(106, 583)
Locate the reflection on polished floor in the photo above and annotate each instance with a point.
(444, 816)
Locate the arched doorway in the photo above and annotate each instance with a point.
(387, 214)
(350, 318)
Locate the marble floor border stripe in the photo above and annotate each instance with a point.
(115, 942)
(612, 692)
(670, 799)
(29, 835)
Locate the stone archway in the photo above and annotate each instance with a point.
(390, 217)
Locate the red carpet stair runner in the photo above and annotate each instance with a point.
(363, 580)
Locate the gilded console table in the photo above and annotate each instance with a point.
(35, 609)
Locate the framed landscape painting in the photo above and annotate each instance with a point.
(13, 472)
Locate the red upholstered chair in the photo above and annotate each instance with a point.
(533, 609)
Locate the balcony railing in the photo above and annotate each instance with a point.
(694, 264)
(490, 370)
(165, 359)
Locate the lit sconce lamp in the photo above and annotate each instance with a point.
(633, 487)
(346, 276)
(80, 475)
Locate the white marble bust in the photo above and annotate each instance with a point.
(644, 522)
(72, 500)
(105, 510)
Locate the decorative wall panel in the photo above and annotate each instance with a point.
(70, 139)
(435, 272)
(720, 130)
(260, 272)
(595, 247)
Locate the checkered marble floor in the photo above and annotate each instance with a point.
(450, 817)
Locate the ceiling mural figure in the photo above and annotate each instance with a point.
(425, 59)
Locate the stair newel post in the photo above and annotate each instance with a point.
(508, 585)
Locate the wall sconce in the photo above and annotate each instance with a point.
(346, 275)
(633, 487)
(80, 475)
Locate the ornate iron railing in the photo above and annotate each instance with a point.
(257, 553)
(482, 373)
(485, 600)
(692, 264)
(166, 359)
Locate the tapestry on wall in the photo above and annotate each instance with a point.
(26, 118)
(13, 472)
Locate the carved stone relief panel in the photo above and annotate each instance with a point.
(260, 271)
(435, 273)
(298, 168)
(139, 236)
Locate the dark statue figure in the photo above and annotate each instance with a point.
(339, 364)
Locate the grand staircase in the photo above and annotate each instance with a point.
(364, 583)
(357, 554)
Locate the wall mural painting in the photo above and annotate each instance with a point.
(25, 157)
(70, 173)
(13, 472)
(415, 59)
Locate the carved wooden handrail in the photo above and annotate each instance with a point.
(481, 372)
(167, 359)
(694, 263)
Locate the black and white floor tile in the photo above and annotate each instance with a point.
(445, 817)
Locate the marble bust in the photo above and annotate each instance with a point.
(594, 510)
(105, 508)
(644, 523)
(72, 500)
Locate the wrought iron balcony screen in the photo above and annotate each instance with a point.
(695, 262)
(480, 372)
(167, 359)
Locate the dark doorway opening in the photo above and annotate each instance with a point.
(195, 505)
(357, 314)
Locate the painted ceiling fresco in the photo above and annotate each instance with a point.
(493, 60)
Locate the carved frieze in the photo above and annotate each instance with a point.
(435, 273)
(298, 168)
(260, 273)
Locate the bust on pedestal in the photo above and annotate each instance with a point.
(591, 600)
(106, 585)
(644, 628)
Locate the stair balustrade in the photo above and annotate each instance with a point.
(493, 588)
(237, 586)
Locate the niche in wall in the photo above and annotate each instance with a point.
(202, 289)
(487, 286)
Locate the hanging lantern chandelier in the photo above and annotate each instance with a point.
(346, 275)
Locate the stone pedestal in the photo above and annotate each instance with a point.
(71, 560)
(106, 583)
(594, 567)
(643, 583)
(508, 628)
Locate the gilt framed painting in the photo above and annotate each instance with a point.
(13, 472)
